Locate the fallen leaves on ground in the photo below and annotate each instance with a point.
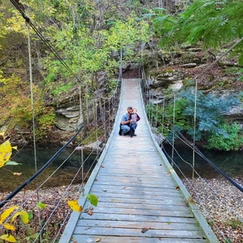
(73, 204)
(145, 229)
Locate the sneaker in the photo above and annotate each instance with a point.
(134, 135)
(120, 132)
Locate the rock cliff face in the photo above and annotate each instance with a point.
(171, 72)
(68, 115)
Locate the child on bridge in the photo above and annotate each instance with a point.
(129, 121)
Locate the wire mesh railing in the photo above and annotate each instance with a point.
(219, 198)
(48, 211)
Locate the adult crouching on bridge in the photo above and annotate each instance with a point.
(128, 125)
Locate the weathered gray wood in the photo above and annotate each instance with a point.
(111, 239)
(136, 189)
(138, 225)
(138, 197)
(186, 213)
(142, 180)
(151, 218)
(164, 200)
(135, 184)
(137, 232)
(141, 206)
(127, 189)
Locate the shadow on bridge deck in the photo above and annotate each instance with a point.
(140, 197)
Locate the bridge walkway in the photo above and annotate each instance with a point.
(141, 199)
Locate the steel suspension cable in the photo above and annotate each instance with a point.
(33, 118)
(49, 46)
(182, 137)
(106, 122)
(194, 126)
(27, 182)
(226, 202)
(202, 155)
(218, 229)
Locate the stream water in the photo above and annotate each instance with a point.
(229, 162)
(8, 182)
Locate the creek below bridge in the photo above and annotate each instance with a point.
(230, 162)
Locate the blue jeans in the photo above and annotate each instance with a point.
(133, 126)
(125, 129)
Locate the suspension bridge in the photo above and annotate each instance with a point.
(141, 199)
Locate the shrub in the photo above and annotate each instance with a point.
(232, 141)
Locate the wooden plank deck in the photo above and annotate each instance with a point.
(139, 200)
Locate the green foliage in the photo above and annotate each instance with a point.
(158, 115)
(210, 123)
(93, 199)
(41, 205)
(211, 22)
(232, 141)
(61, 88)
(17, 110)
(210, 111)
(240, 73)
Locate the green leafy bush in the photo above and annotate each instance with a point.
(210, 112)
(211, 125)
(232, 141)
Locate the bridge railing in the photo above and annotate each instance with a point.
(47, 208)
(221, 209)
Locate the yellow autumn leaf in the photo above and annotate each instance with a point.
(15, 216)
(9, 226)
(17, 173)
(5, 152)
(73, 204)
(8, 238)
(2, 134)
(6, 213)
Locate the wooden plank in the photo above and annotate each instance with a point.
(141, 197)
(137, 225)
(170, 190)
(135, 184)
(164, 200)
(186, 213)
(126, 171)
(141, 206)
(151, 218)
(136, 193)
(119, 239)
(116, 165)
(167, 184)
(144, 174)
(137, 232)
(126, 189)
(124, 179)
